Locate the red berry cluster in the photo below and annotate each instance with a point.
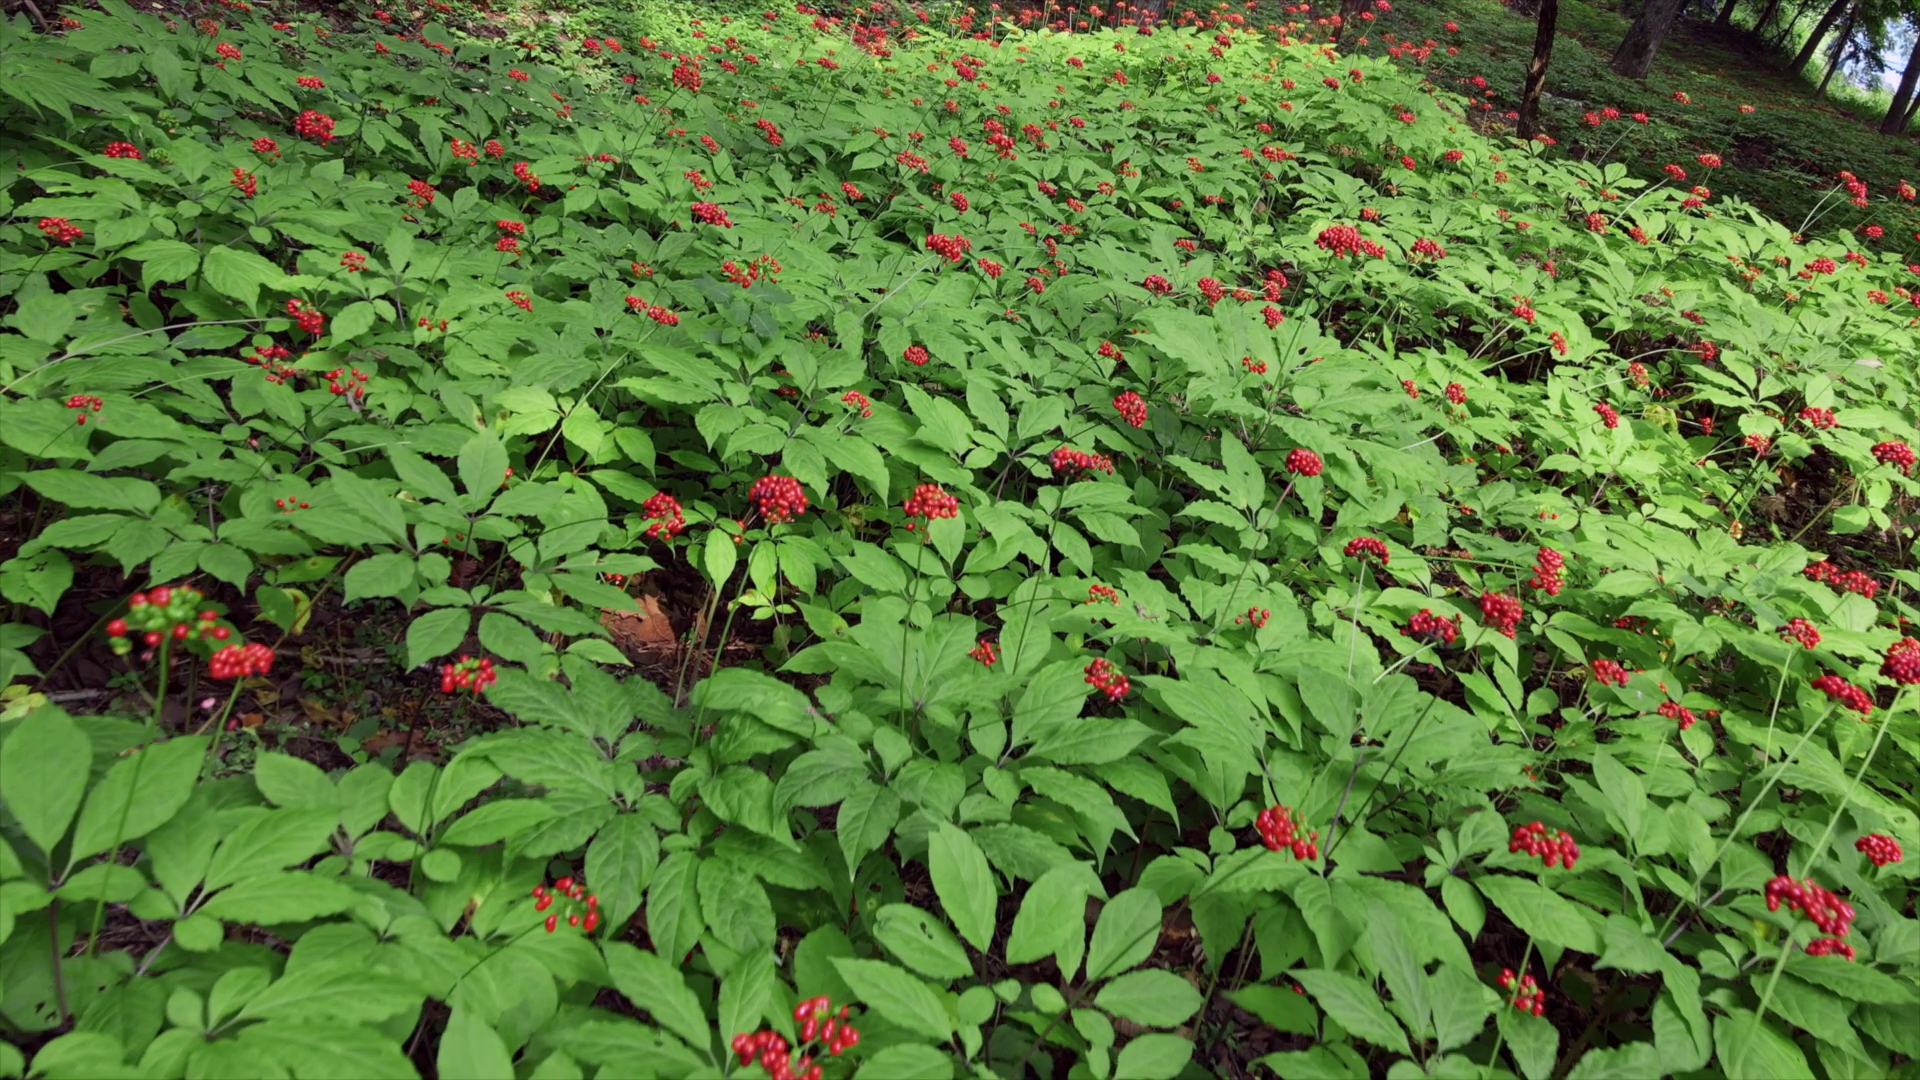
(711, 214)
(854, 399)
(771, 1052)
(653, 311)
(780, 498)
(1831, 914)
(1500, 611)
(60, 230)
(1132, 408)
(931, 501)
(123, 150)
(288, 506)
(245, 183)
(1304, 462)
(520, 300)
(1547, 567)
(1827, 946)
(341, 382)
(1157, 285)
(1367, 547)
(1528, 997)
(1609, 672)
(1104, 677)
(1412, 389)
(669, 520)
(85, 404)
(1099, 593)
(1821, 419)
(1432, 627)
(240, 661)
(986, 652)
(1280, 829)
(1345, 240)
(1846, 694)
(1897, 454)
(1257, 616)
(1456, 393)
(1609, 415)
(585, 906)
(1534, 840)
(1802, 631)
(1069, 462)
(1673, 710)
(1853, 581)
(1882, 849)
(166, 613)
(313, 125)
(1759, 444)
(468, 674)
(918, 356)
(311, 320)
(1902, 664)
(951, 248)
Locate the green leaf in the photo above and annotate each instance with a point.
(1464, 905)
(508, 637)
(866, 820)
(673, 905)
(274, 840)
(1634, 1061)
(1461, 1005)
(436, 634)
(86, 491)
(323, 1050)
(164, 260)
(138, 795)
(620, 862)
(657, 985)
(907, 1062)
(1128, 929)
(276, 899)
(40, 580)
(721, 555)
(922, 942)
(1533, 1042)
(483, 467)
(286, 780)
(388, 574)
(747, 993)
(47, 317)
(334, 989)
(1153, 1057)
(964, 883)
(1394, 962)
(736, 906)
(470, 1049)
(1354, 1005)
(741, 795)
(1054, 908)
(1151, 997)
(897, 996)
(1540, 912)
(1852, 981)
(352, 321)
(239, 274)
(1749, 1046)
(43, 773)
(496, 821)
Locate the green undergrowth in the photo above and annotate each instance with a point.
(1186, 560)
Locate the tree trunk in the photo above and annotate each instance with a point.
(1812, 46)
(1895, 122)
(1766, 16)
(1725, 18)
(1537, 70)
(1349, 14)
(1839, 53)
(1634, 58)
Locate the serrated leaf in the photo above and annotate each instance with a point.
(1152, 997)
(1355, 1005)
(964, 883)
(899, 997)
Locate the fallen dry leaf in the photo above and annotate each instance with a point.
(648, 628)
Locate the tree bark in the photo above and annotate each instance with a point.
(1839, 52)
(1537, 70)
(1895, 122)
(1634, 58)
(1807, 51)
(1725, 18)
(1349, 14)
(1766, 16)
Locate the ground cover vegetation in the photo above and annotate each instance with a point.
(1184, 558)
